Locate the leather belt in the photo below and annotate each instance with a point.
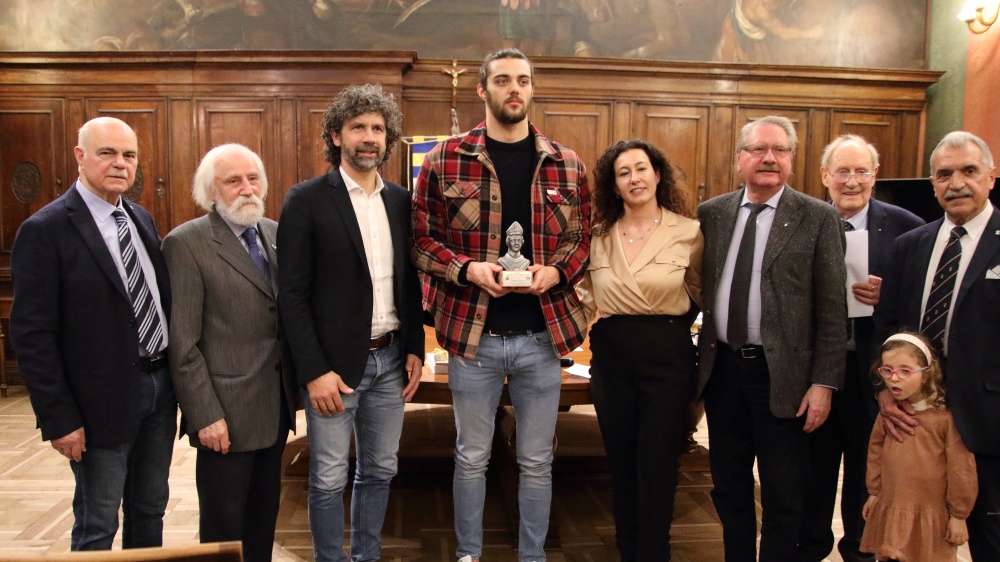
(151, 364)
(508, 333)
(746, 352)
(384, 340)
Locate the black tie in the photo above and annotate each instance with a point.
(143, 307)
(938, 303)
(739, 294)
(847, 226)
(250, 237)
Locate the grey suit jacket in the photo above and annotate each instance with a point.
(227, 354)
(803, 298)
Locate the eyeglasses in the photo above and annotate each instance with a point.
(903, 373)
(843, 177)
(760, 150)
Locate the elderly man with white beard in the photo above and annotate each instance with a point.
(231, 369)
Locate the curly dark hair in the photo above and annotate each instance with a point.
(357, 100)
(671, 191)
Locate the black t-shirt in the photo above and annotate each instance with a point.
(515, 167)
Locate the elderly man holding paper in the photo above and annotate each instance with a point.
(849, 166)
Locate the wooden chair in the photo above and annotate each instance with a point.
(210, 552)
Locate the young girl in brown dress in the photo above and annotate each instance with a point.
(920, 490)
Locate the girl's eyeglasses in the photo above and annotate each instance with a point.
(904, 373)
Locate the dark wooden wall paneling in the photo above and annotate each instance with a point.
(182, 104)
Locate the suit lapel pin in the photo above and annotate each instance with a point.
(275, 248)
(785, 225)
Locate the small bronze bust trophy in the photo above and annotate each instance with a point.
(515, 265)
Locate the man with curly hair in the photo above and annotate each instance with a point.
(350, 303)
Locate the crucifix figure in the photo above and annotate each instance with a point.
(454, 72)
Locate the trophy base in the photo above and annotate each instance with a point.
(515, 279)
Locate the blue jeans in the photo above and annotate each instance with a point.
(132, 475)
(534, 378)
(375, 413)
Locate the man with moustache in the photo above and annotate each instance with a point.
(350, 302)
(772, 345)
(848, 168)
(231, 369)
(470, 191)
(89, 326)
(944, 279)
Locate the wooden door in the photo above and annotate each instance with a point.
(148, 118)
(33, 155)
(584, 127)
(681, 132)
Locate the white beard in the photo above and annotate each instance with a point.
(245, 210)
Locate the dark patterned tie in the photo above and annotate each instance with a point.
(938, 303)
(739, 293)
(143, 307)
(848, 227)
(250, 237)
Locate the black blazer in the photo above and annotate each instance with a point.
(72, 324)
(325, 288)
(885, 223)
(972, 372)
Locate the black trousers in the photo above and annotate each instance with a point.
(742, 428)
(642, 384)
(845, 433)
(239, 494)
(984, 521)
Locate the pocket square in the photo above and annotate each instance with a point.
(993, 273)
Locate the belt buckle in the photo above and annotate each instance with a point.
(752, 351)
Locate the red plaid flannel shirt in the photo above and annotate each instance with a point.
(456, 219)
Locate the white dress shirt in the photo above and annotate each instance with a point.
(764, 220)
(974, 229)
(374, 224)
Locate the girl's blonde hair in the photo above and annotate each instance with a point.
(933, 385)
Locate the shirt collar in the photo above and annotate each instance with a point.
(98, 207)
(772, 202)
(975, 227)
(860, 219)
(238, 229)
(354, 186)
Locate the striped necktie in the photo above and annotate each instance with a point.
(938, 304)
(143, 307)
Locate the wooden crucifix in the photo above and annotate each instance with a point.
(454, 72)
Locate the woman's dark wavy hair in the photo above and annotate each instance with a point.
(671, 191)
(357, 100)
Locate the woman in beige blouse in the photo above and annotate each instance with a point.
(644, 279)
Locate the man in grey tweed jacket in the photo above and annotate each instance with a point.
(231, 370)
(766, 391)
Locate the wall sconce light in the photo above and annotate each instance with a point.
(972, 15)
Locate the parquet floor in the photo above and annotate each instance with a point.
(36, 489)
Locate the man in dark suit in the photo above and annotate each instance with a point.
(848, 168)
(89, 326)
(772, 345)
(231, 368)
(964, 324)
(350, 303)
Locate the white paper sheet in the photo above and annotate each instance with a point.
(579, 370)
(857, 271)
